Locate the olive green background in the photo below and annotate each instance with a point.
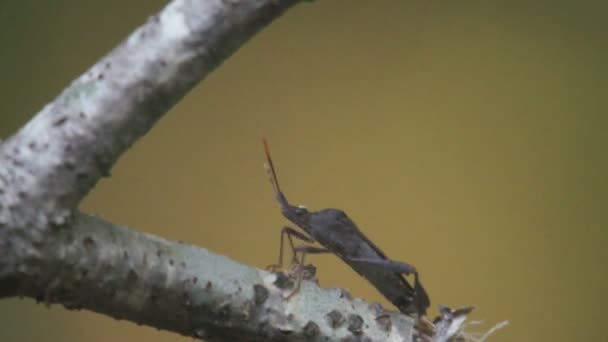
(467, 138)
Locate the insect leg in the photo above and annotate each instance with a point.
(304, 250)
(290, 233)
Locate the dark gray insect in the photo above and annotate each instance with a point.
(339, 235)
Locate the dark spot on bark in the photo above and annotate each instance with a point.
(100, 77)
(311, 329)
(182, 264)
(260, 294)
(283, 281)
(131, 277)
(17, 162)
(355, 324)
(194, 280)
(345, 294)
(88, 242)
(384, 322)
(246, 310)
(69, 165)
(286, 332)
(308, 272)
(159, 253)
(81, 175)
(103, 163)
(125, 255)
(108, 65)
(208, 286)
(377, 309)
(224, 311)
(32, 145)
(186, 299)
(22, 194)
(171, 262)
(84, 273)
(82, 115)
(335, 319)
(163, 63)
(60, 121)
(289, 317)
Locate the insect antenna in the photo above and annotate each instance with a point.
(272, 175)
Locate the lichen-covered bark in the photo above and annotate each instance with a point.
(53, 162)
(95, 265)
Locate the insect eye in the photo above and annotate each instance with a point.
(300, 210)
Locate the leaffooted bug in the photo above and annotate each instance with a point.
(339, 235)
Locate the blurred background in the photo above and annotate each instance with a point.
(465, 138)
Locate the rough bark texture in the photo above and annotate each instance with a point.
(53, 162)
(55, 254)
(99, 266)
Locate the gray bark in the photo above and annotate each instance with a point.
(95, 265)
(55, 254)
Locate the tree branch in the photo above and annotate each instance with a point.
(95, 265)
(53, 162)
